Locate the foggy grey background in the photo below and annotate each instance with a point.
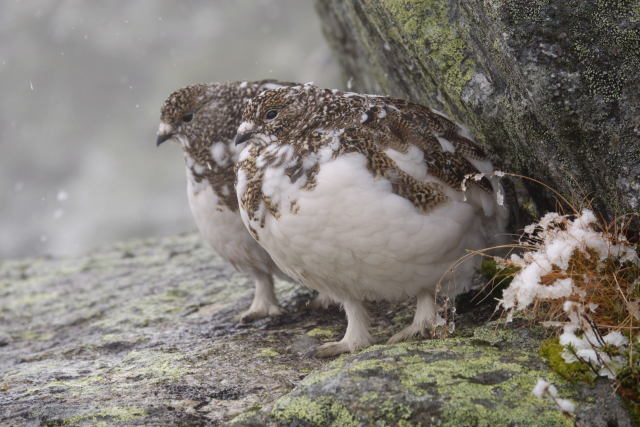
(81, 85)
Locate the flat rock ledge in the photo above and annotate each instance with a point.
(142, 333)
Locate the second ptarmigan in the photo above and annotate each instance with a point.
(362, 197)
(203, 119)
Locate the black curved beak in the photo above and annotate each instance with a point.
(162, 138)
(243, 137)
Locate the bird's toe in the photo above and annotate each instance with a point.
(332, 349)
(346, 345)
(409, 333)
(258, 313)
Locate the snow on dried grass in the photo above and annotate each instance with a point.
(582, 275)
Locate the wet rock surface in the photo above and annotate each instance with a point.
(141, 333)
(550, 86)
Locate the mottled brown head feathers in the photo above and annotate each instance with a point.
(185, 101)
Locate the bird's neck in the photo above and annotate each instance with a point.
(205, 170)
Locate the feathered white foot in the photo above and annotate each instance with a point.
(424, 320)
(355, 338)
(264, 304)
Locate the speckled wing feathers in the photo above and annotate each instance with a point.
(410, 123)
(423, 195)
(347, 123)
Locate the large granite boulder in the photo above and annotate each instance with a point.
(141, 333)
(551, 86)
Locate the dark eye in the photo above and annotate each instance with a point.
(271, 114)
(187, 117)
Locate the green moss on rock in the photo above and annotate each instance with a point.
(551, 350)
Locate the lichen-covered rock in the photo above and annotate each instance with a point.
(551, 86)
(484, 379)
(142, 333)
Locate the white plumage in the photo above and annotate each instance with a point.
(224, 231)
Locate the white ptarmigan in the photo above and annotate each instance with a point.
(203, 119)
(361, 197)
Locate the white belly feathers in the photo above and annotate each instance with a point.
(352, 232)
(224, 231)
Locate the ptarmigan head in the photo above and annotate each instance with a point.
(276, 112)
(179, 111)
(200, 115)
(202, 118)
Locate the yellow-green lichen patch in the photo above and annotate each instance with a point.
(433, 36)
(246, 417)
(369, 365)
(108, 415)
(321, 333)
(323, 411)
(369, 396)
(321, 376)
(155, 366)
(395, 350)
(492, 335)
(391, 412)
(267, 352)
(471, 386)
(74, 387)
